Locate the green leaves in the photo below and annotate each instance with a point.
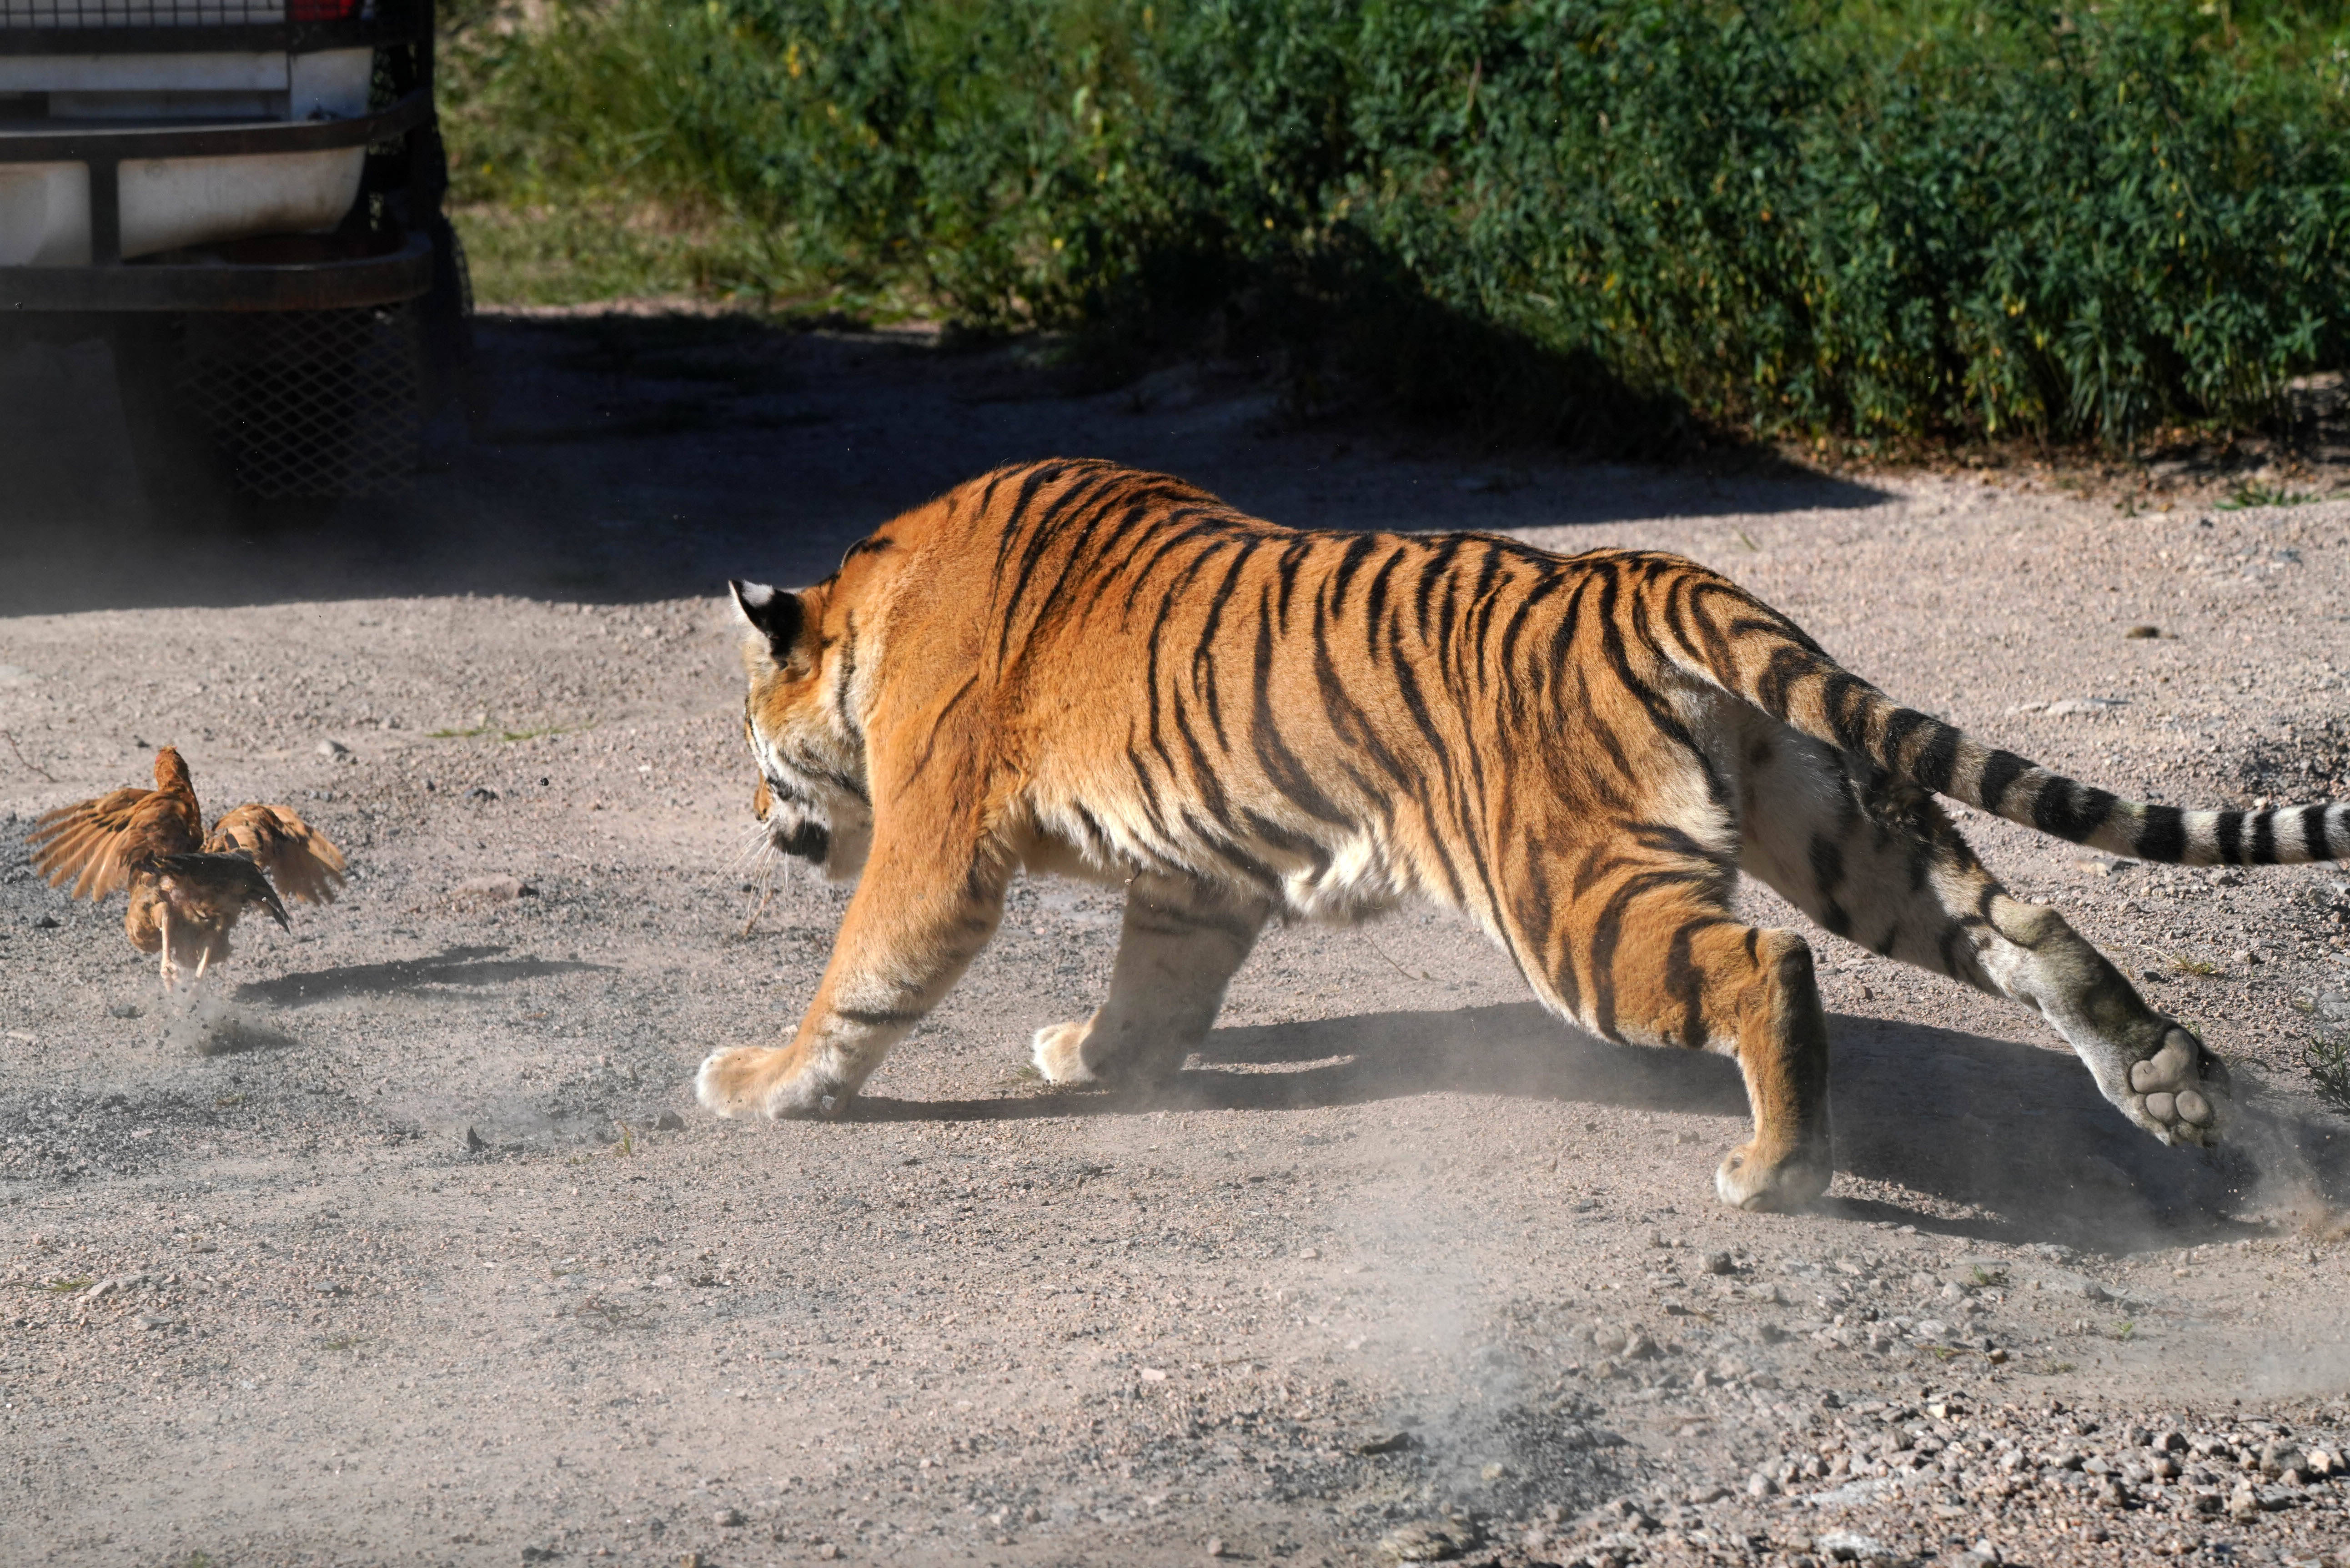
(1905, 219)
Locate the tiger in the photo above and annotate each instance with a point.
(1079, 668)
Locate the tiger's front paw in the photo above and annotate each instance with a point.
(1749, 1178)
(754, 1080)
(1059, 1053)
(2180, 1092)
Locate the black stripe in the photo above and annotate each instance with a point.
(877, 1018)
(1939, 759)
(1203, 652)
(1827, 864)
(2162, 835)
(1786, 666)
(1899, 725)
(1540, 591)
(2002, 769)
(1281, 765)
(2071, 811)
(2229, 830)
(1286, 569)
(2263, 839)
(1376, 600)
(2312, 832)
(1838, 689)
(1359, 550)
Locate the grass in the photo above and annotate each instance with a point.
(68, 1287)
(2328, 1061)
(1868, 223)
(2203, 969)
(2248, 496)
(2125, 1330)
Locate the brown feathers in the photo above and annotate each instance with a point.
(188, 889)
(302, 861)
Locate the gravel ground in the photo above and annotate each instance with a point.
(402, 1243)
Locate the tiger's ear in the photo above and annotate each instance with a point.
(773, 613)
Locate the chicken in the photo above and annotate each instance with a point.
(188, 888)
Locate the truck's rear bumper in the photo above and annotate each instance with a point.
(164, 283)
(325, 285)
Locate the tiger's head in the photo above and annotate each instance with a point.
(800, 722)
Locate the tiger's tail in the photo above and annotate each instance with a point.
(1722, 635)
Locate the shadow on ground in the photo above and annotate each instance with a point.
(627, 457)
(2013, 1129)
(453, 966)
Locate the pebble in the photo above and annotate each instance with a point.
(1424, 1541)
(669, 1121)
(728, 1517)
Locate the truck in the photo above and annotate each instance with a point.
(244, 200)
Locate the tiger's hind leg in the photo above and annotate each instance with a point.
(1180, 945)
(1877, 860)
(1661, 962)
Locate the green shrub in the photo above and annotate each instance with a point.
(1570, 216)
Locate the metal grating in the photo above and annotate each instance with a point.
(139, 12)
(308, 402)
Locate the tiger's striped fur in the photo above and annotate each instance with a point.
(1076, 668)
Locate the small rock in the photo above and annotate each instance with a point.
(728, 1517)
(669, 1121)
(1985, 1552)
(1215, 1546)
(538, 1554)
(124, 1009)
(1718, 1263)
(329, 1288)
(826, 1551)
(1760, 1485)
(1426, 1542)
(481, 791)
(335, 749)
(1154, 1375)
(1495, 1471)
(47, 923)
(2136, 632)
(496, 890)
(1385, 1443)
(474, 1142)
(1847, 1546)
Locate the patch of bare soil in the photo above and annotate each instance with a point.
(403, 1242)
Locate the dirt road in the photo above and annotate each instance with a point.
(403, 1242)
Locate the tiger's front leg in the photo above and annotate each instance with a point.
(1181, 943)
(917, 920)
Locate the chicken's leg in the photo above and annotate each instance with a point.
(164, 922)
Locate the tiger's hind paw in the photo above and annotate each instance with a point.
(2180, 1092)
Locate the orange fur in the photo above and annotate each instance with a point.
(1074, 668)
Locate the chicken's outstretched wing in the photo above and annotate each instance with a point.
(302, 861)
(96, 844)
